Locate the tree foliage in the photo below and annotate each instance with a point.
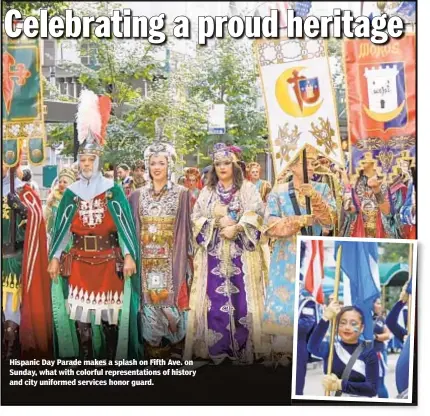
(223, 72)
(31, 8)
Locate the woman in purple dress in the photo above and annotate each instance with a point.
(226, 300)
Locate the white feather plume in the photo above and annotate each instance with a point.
(88, 115)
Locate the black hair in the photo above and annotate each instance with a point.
(237, 177)
(349, 309)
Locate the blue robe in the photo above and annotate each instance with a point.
(402, 366)
(278, 315)
(307, 320)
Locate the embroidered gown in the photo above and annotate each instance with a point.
(228, 287)
(278, 318)
(164, 234)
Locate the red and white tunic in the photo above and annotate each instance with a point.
(94, 285)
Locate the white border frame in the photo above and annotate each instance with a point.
(296, 306)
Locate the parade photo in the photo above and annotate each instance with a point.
(208, 197)
(355, 320)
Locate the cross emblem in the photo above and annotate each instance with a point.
(294, 80)
(92, 212)
(12, 72)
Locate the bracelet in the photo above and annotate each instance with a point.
(379, 197)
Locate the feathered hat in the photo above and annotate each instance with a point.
(92, 119)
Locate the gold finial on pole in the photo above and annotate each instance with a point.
(381, 6)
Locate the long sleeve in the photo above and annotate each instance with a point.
(202, 221)
(392, 321)
(63, 244)
(316, 345)
(369, 387)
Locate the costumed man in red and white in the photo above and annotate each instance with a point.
(94, 242)
(26, 301)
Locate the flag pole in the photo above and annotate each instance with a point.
(333, 323)
(410, 296)
(306, 180)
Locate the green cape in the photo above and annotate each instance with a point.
(66, 342)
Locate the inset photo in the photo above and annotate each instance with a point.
(354, 324)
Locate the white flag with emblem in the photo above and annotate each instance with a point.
(300, 99)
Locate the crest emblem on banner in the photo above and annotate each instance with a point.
(386, 94)
(298, 95)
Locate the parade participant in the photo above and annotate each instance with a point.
(286, 218)
(403, 196)
(65, 179)
(26, 301)
(193, 183)
(367, 205)
(253, 175)
(26, 176)
(139, 175)
(227, 291)
(162, 215)
(307, 314)
(392, 322)
(381, 334)
(101, 296)
(363, 378)
(125, 179)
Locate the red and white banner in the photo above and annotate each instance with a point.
(380, 90)
(313, 269)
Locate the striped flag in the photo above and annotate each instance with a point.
(313, 269)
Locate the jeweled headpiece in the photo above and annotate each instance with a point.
(160, 147)
(223, 152)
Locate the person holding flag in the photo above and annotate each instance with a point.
(351, 366)
(286, 217)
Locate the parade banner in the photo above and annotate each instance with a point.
(299, 97)
(22, 102)
(380, 92)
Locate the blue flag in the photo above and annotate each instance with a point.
(409, 287)
(359, 265)
(407, 8)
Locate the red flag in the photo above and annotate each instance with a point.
(314, 269)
